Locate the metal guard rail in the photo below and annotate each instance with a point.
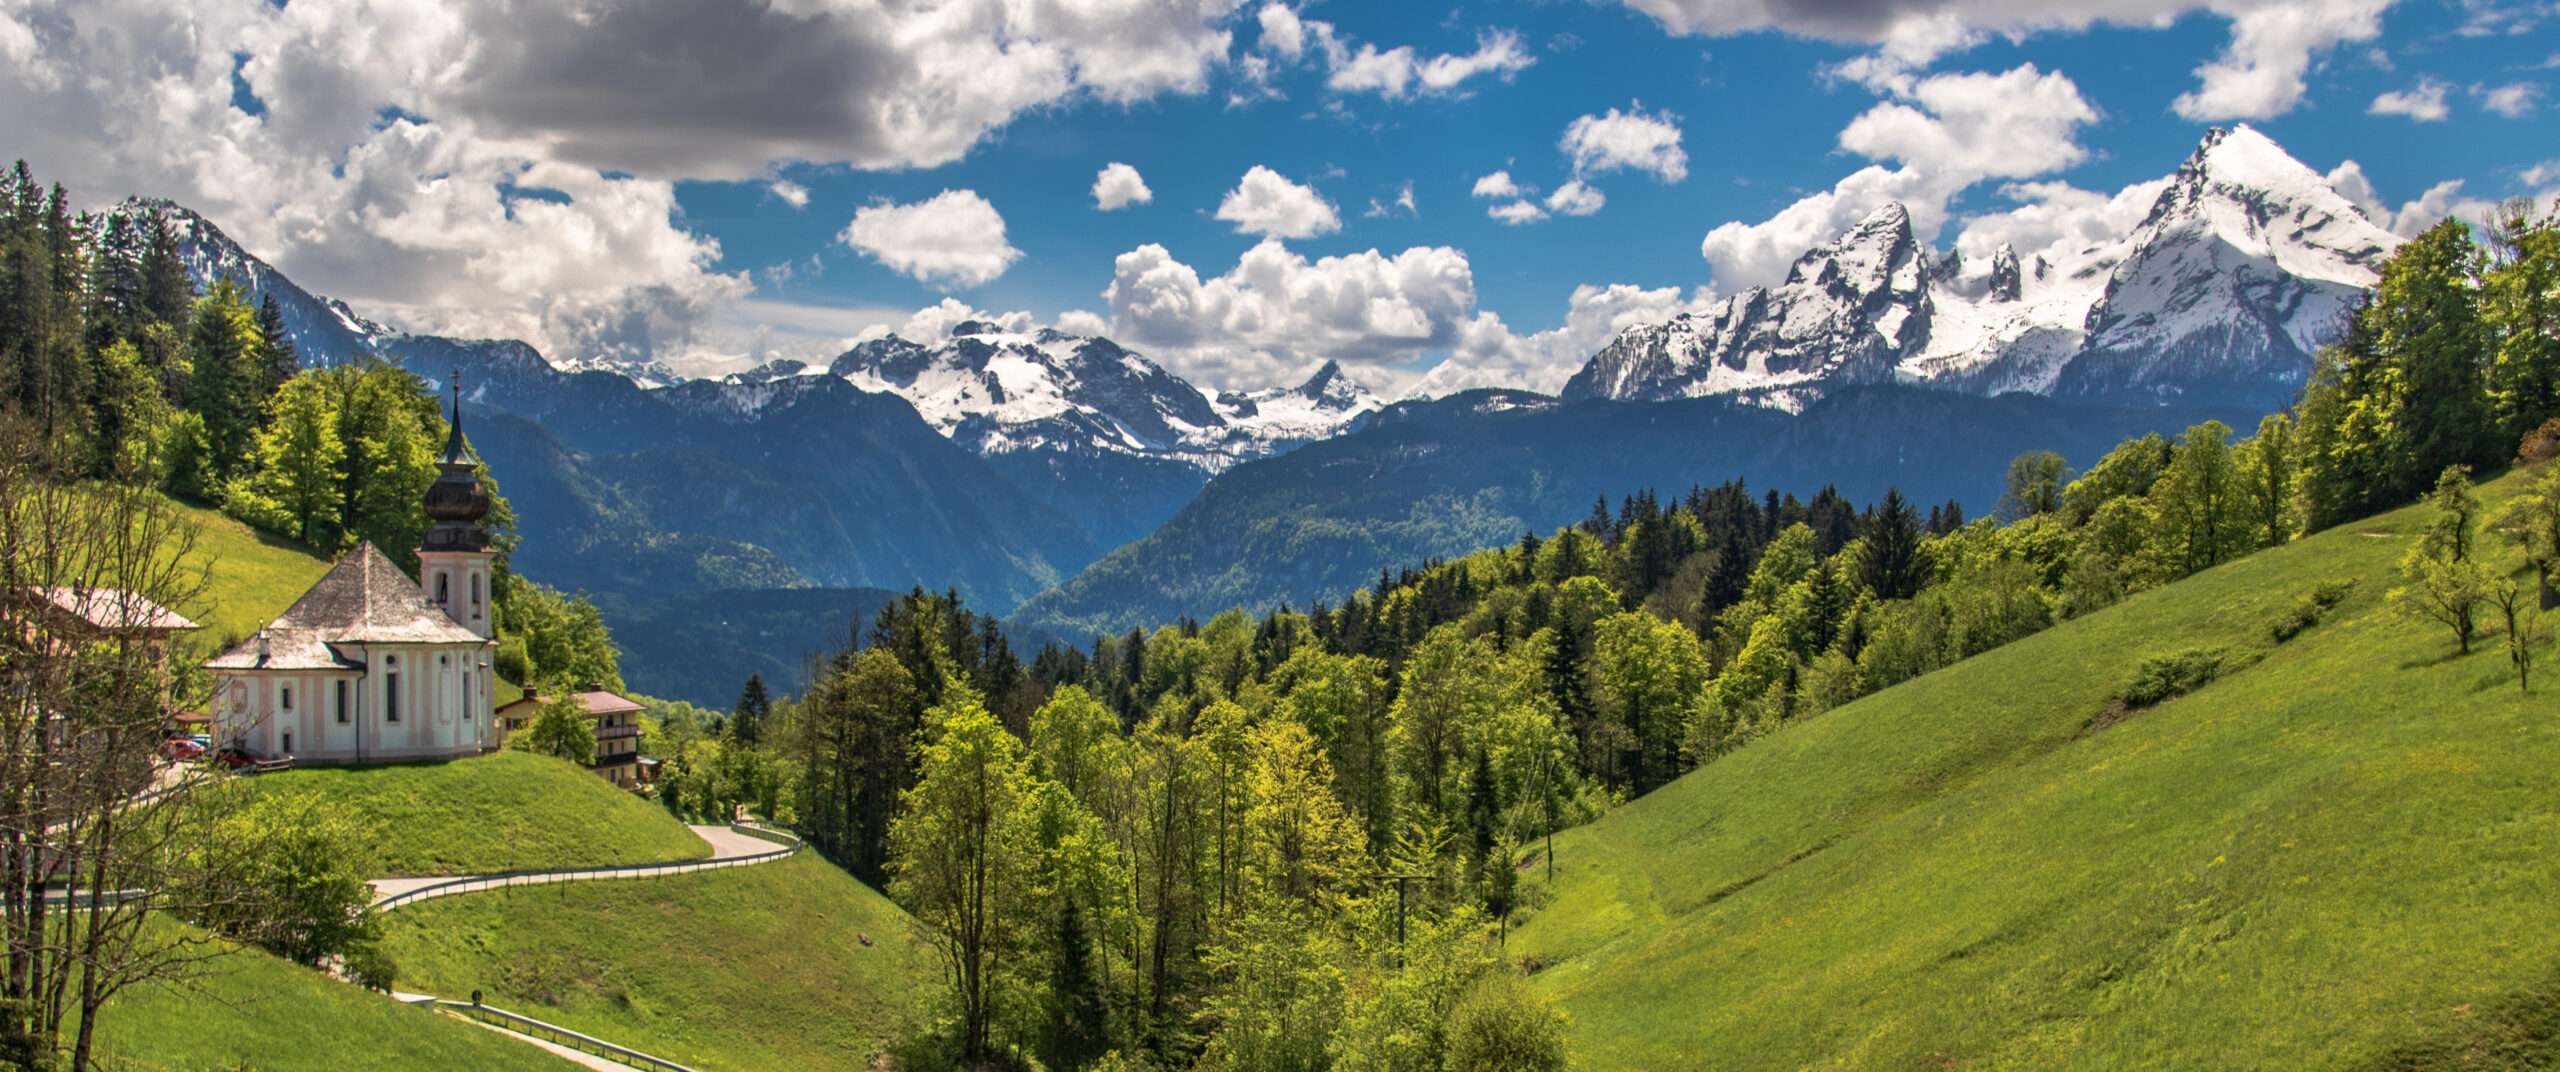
(532, 1028)
(476, 883)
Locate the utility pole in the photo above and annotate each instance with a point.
(1400, 880)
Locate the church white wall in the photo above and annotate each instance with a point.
(441, 694)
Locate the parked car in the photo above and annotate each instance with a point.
(235, 758)
(180, 749)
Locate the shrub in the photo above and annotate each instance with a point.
(2307, 610)
(2540, 445)
(1499, 1026)
(371, 967)
(2166, 677)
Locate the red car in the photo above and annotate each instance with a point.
(180, 750)
(235, 758)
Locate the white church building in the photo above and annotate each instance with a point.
(369, 666)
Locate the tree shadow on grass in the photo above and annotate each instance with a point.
(2517, 1031)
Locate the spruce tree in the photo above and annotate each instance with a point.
(223, 340)
(278, 359)
(746, 722)
(1891, 567)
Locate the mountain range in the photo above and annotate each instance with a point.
(1004, 462)
(2242, 269)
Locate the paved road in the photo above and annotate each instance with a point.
(726, 844)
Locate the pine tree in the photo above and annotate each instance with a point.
(746, 721)
(1891, 567)
(278, 360)
(218, 349)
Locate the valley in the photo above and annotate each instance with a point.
(2133, 657)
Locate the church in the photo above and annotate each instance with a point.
(369, 666)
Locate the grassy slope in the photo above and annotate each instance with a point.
(263, 1013)
(738, 969)
(2326, 860)
(506, 811)
(251, 576)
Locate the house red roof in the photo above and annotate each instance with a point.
(597, 703)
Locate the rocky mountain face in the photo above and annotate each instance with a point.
(2242, 269)
(1093, 429)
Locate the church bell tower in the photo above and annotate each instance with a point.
(454, 562)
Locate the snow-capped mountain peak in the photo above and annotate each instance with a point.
(2242, 266)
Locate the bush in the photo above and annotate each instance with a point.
(2162, 678)
(2540, 445)
(371, 967)
(2307, 610)
(1500, 1027)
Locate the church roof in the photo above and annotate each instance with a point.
(363, 599)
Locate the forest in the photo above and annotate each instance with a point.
(113, 354)
(1293, 840)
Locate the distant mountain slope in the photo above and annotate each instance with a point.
(699, 647)
(1088, 427)
(705, 484)
(1479, 468)
(2242, 269)
(2320, 860)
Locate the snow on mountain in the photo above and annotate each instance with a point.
(2243, 267)
(999, 392)
(1846, 313)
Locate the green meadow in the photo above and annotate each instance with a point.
(2339, 854)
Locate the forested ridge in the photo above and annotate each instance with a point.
(1188, 845)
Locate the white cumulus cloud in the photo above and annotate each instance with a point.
(1599, 144)
(791, 193)
(1118, 185)
(1498, 184)
(1575, 198)
(2515, 100)
(1488, 354)
(1947, 132)
(495, 168)
(1397, 72)
(1266, 203)
(2423, 102)
(1276, 313)
(2260, 73)
(954, 238)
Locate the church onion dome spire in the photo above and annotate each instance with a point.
(456, 502)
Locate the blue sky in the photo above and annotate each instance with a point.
(616, 185)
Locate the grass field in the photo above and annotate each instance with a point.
(506, 811)
(262, 1013)
(2339, 856)
(250, 576)
(736, 970)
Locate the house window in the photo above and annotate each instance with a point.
(284, 697)
(342, 703)
(288, 743)
(442, 579)
(475, 595)
(391, 697)
(467, 693)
